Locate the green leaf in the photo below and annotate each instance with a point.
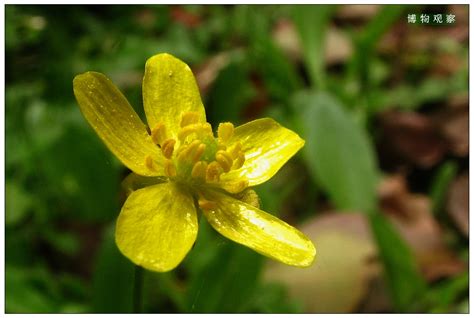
(229, 94)
(278, 73)
(401, 271)
(18, 201)
(113, 278)
(311, 22)
(274, 298)
(440, 184)
(227, 281)
(64, 242)
(27, 292)
(365, 42)
(409, 96)
(338, 152)
(379, 25)
(78, 169)
(443, 296)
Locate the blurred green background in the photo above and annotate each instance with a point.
(381, 186)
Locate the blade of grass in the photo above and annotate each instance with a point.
(312, 22)
(440, 184)
(365, 43)
(401, 272)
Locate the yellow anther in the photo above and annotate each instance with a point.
(225, 131)
(149, 163)
(199, 170)
(221, 146)
(158, 134)
(239, 161)
(213, 172)
(227, 155)
(223, 163)
(168, 147)
(189, 118)
(249, 196)
(199, 152)
(235, 150)
(188, 130)
(206, 128)
(224, 159)
(235, 187)
(188, 150)
(170, 169)
(207, 205)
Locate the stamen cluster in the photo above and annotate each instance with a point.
(197, 156)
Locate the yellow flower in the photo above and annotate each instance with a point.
(180, 169)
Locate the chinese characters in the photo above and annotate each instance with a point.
(432, 19)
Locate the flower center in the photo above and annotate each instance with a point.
(196, 156)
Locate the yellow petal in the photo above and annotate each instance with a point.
(267, 146)
(170, 90)
(262, 232)
(134, 182)
(116, 123)
(157, 226)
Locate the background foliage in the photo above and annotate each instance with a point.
(381, 186)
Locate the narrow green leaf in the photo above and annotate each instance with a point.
(278, 73)
(440, 184)
(379, 25)
(63, 241)
(229, 94)
(312, 22)
(26, 292)
(77, 168)
(338, 151)
(273, 298)
(360, 66)
(113, 278)
(443, 296)
(18, 202)
(227, 281)
(401, 271)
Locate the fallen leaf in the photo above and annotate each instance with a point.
(207, 72)
(185, 17)
(338, 47)
(411, 137)
(357, 11)
(339, 279)
(146, 18)
(411, 214)
(458, 203)
(286, 37)
(454, 125)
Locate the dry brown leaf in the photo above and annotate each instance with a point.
(411, 214)
(338, 47)
(358, 11)
(458, 203)
(412, 137)
(185, 17)
(208, 71)
(146, 18)
(339, 279)
(454, 125)
(286, 37)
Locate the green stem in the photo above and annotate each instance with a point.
(137, 290)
